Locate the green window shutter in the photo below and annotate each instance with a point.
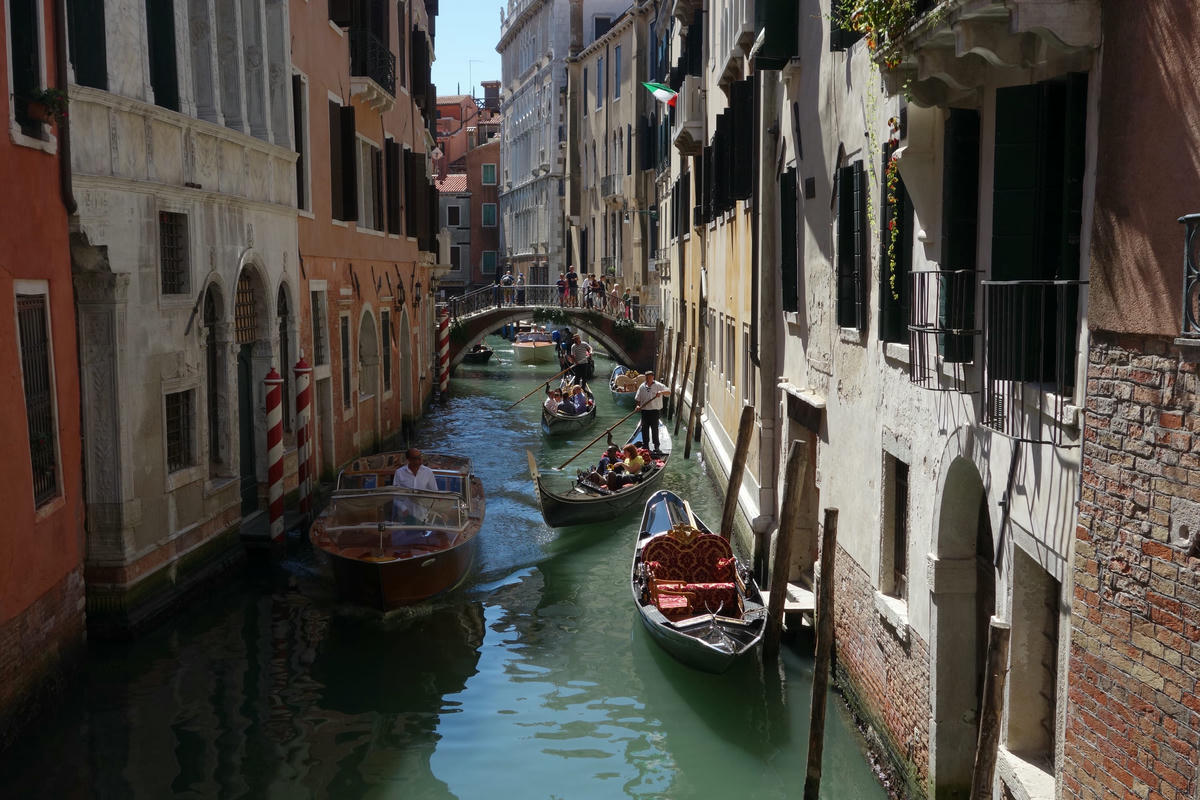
(391, 159)
(788, 254)
(960, 224)
(845, 247)
(861, 261)
(87, 49)
(349, 142)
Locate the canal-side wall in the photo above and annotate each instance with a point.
(38, 649)
(1134, 698)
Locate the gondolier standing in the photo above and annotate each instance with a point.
(649, 399)
(581, 357)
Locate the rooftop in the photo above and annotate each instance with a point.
(453, 183)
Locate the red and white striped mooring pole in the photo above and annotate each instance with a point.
(444, 352)
(303, 373)
(275, 453)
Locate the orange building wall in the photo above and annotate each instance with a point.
(357, 265)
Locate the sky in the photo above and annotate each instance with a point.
(465, 46)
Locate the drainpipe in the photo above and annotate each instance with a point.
(768, 289)
(64, 125)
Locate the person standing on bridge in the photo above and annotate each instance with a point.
(507, 282)
(520, 288)
(562, 289)
(581, 361)
(573, 286)
(649, 399)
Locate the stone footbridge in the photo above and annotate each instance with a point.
(632, 341)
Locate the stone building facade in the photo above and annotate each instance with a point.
(535, 40)
(184, 252)
(1133, 708)
(608, 186)
(41, 479)
(367, 218)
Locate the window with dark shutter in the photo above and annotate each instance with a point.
(895, 252)
(160, 32)
(776, 24)
(851, 256)
(410, 192)
(960, 224)
(788, 243)
(341, 13)
(345, 331)
(299, 133)
(349, 161)
(385, 325)
(742, 139)
(336, 178)
(25, 51)
(391, 158)
(628, 149)
(841, 36)
(180, 422)
(86, 46)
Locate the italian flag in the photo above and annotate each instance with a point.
(663, 94)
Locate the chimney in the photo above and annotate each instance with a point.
(576, 27)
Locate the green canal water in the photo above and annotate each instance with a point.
(535, 680)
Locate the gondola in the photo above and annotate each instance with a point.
(589, 502)
(556, 424)
(389, 546)
(696, 599)
(479, 354)
(622, 391)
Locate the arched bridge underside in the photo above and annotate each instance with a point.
(633, 346)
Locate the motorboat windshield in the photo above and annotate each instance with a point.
(392, 509)
(534, 336)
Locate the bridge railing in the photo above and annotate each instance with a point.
(543, 296)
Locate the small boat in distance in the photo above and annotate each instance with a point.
(623, 383)
(559, 424)
(389, 546)
(588, 501)
(479, 354)
(696, 599)
(534, 347)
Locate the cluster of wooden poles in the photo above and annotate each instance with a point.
(794, 477)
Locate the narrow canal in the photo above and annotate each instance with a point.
(535, 681)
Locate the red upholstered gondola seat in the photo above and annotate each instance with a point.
(691, 573)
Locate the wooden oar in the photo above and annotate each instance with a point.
(598, 438)
(547, 381)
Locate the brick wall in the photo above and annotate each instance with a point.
(885, 676)
(37, 650)
(1133, 713)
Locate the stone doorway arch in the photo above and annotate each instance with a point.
(963, 588)
(252, 313)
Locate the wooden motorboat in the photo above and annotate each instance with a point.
(534, 347)
(558, 424)
(479, 354)
(588, 501)
(622, 383)
(697, 600)
(389, 546)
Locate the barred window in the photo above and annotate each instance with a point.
(319, 328)
(39, 395)
(244, 312)
(180, 422)
(172, 252)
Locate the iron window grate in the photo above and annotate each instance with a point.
(244, 310)
(179, 430)
(39, 395)
(172, 252)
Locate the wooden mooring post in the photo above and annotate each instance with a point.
(820, 690)
(994, 682)
(674, 370)
(660, 348)
(740, 450)
(693, 424)
(793, 488)
(687, 371)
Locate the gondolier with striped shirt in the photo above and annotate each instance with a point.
(649, 399)
(581, 358)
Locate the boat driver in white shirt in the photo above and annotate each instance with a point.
(413, 475)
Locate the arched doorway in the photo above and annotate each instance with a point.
(404, 339)
(962, 604)
(368, 383)
(252, 335)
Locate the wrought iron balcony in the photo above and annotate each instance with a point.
(941, 328)
(1030, 352)
(1191, 275)
(370, 58)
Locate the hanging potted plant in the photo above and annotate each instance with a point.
(47, 105)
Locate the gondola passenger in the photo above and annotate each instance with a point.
(553, 400)
(633, 460)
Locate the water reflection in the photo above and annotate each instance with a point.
(535, 681)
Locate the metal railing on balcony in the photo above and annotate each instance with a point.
(941, 328)
(1191, 274)
(371, 58)
(687, 131)
(1030, 352)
